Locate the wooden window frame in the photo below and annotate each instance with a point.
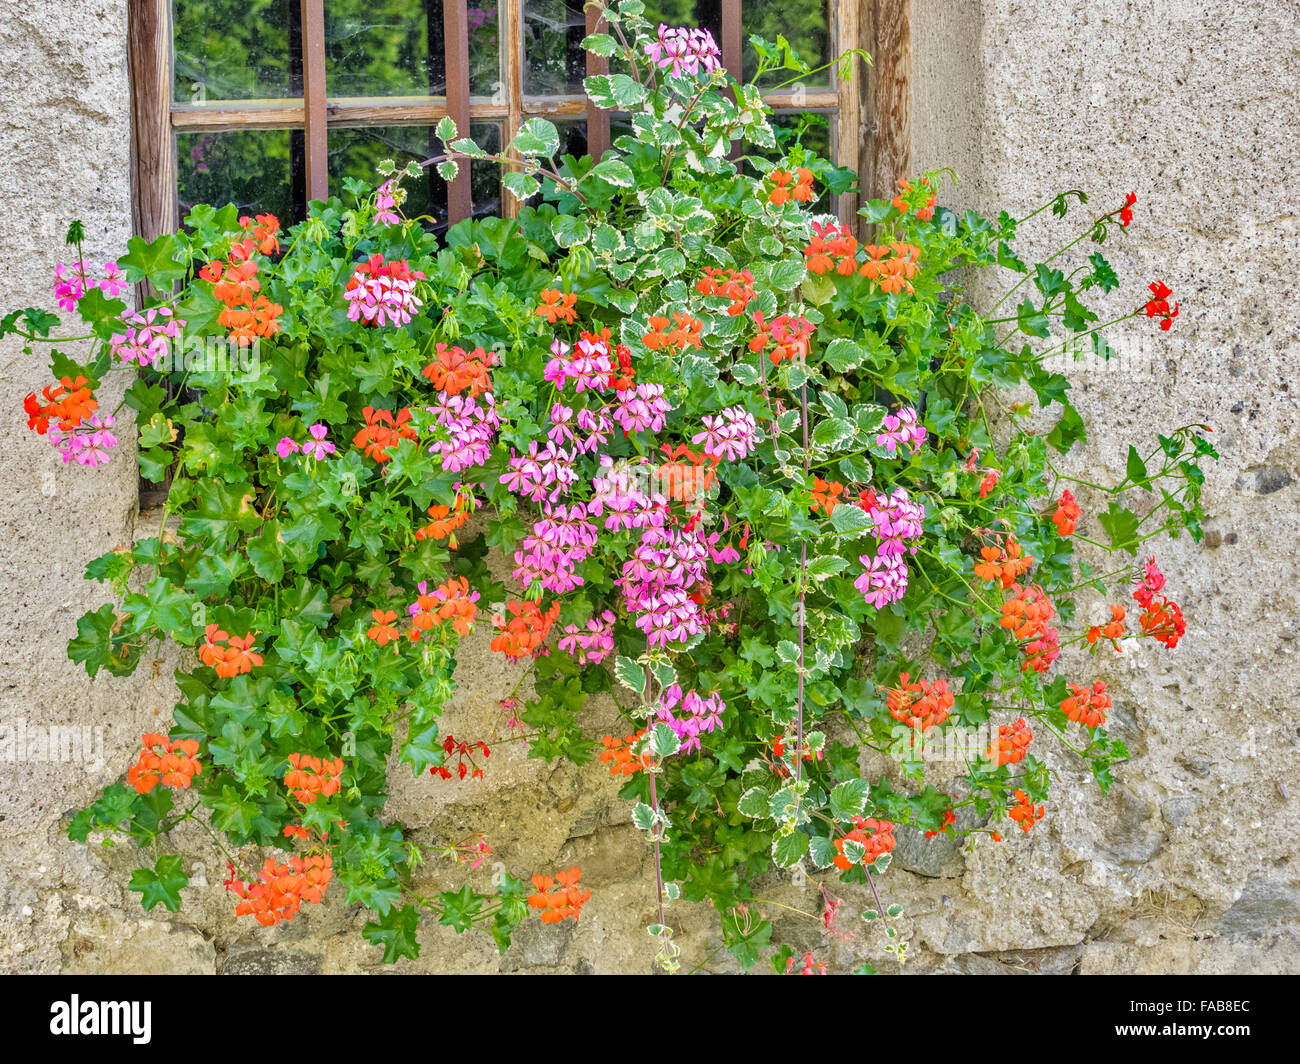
(871, 126)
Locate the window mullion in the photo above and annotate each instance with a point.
(153, 171)
(513, 57)
(315, 107)
(597, 119)
(455, 28)
(848, 132)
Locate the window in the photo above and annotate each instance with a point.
(271, 103)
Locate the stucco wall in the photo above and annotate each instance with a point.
(1190, 866)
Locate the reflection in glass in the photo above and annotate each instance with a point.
(260, 171)
(398, 48)
(554, 63)
(236, 50)
(804, 23)
(356, 153)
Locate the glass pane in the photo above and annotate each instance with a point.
(812, 131)
(260, 171)
(573, 138)
(804, 23)
(236, 50)
(356, 153)
(398, 48)
(554, 62)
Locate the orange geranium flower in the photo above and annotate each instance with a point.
(283, 888)
(826, 495)
(559, 898)
(876, 837)
(619, 756)
(382, 432)
(1087, 707)
(1003, 564)
(686, 476)
(1066, 514)
(264, 229)
(228, 655)
(919, 703)
(173, 764)
(446, 520)
(310, 778)
(453, 371)
(1011, 745)
(684, 332)
(736, 285)
(1112, 630)
(68, 403)
(1024, 813)
(557, 306)
(382, 631)
(526, 629)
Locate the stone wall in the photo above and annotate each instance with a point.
(1190, 866)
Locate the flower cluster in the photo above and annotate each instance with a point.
(896, 524)
(831, 248)
(382, 432)
(690, 715)
(69, 288)
(557, 306)
(470, 426)
(451, 600)
(1026, 613)
(1024, 813)
(869, 839)
(229, 655)
(1162, 619)
(787, 186)
(464, 753)
(594, 644)
(672, 336)
(283, 888)
(1011, 745)
(620, 755)
(147, 336)
(736, 285)
(731, 434)
(1003, 564)
(807, 967)
(559, 898)
(453, 370)
(526, 629)
(1158, 305)
(1087, 707)
(445, 520)
(1113, 629)
(919, 703)
(684, 51)
(789, 335)
(826, 495)
(901, 429)
(1066, 514)
(382, 293)
(315, 446)
(561, 540)
(309, 778)
(173, 764)
(246, 312)
(892, 265)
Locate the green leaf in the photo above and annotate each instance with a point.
(446, 129)
(664, 740)
(537, 136)
(850, 520)
(849, 799)
(1032, 320)
(614, 172)
(788, 849)
(160, 885)
(822, 851)
(787, 274)
(756, 803)
(570, 230)
(1121, 525)
(1136, 469)
(396, 931)
(520, 185)
(630, 674)
(459, 908)
(152, 261)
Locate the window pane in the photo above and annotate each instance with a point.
(356, 153)
(236, 50)
(260, 171)
(398, 48)
(804, 23)
(554, 62)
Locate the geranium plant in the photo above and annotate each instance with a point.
(787, 494)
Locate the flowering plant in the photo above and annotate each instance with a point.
(758, 478)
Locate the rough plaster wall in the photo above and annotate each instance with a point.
(1190, 867)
